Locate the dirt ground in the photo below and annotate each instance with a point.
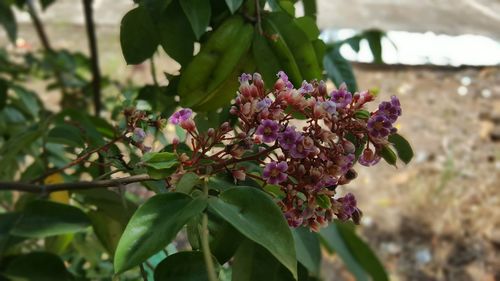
(437, 218)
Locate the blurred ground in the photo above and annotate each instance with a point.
(439, 217)
(436, 219)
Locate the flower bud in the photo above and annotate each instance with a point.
(188, 125)
(225, 127)
(210, 132)
(239, 174)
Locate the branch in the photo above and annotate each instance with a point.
(96, 73)
(36, 188)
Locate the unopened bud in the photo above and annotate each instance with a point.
(239, 174)
(210, 132)
(225, 127)
(188, 125)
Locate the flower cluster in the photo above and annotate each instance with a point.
(306, 140)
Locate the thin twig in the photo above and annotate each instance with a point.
(94, 55)
(83, 185)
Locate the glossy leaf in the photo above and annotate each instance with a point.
(354, 252)
(224, 239)
(257, 217)
(308, 249)
(402, 146)
(8, 21)
(156, 7)
(254, 263)
(389, 155)
(39, 266)
(7, 222)
(183, 266)
(198, 13)
(160, 160)
(234, 5)
(265, 59)
(153, 226)
(339, 70)
(176, 36)
(310, 8)
(138, 36)
(66, 134)
(43, 218)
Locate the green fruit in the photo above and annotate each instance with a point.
(282, 50)
(267, 63)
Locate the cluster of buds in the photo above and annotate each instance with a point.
(136, 121)
(306, 140)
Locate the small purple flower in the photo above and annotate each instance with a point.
(263, 104)
(330, 107)
(379, 126)
(303, 146)
(348, 206)
(341, 97)
(139, 135)
(181, 115)
(288, 138)
(282, 75)
(392, 109)
(368, 158)
(268, 129)
(346, 162)
(306, 88)
(244, 78)
(275, 173)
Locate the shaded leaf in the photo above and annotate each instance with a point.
(39, 266)
(107, 229)
(153, 226)
(66, 134)
(354, 252)
(339, 70)
(187, 182)
(184, 266)
(310, 8)
(42, 218)
(234, 5)
(374, 38)
(308, 249)
(176, 36)
(198, 13)
(388, 154)
(8, 21)
(308, 25)
(138, 36)
(254, 263)
(4, 87)
(257, 217)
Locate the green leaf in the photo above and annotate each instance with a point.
(254, 263)
(308, 25)
(355, 253)
(138, 36)
(39, 266)
(8, 21)
(308, 249)
(288, 7)
(234, 5)
(257, 217)
(156, 7)
(224, 239)
(153, 226)
(362, 114)
(310, 8)
(4, 87)
(184, 266)
(324, 201)
(402, 146)
(176, 36)
(160, 160)
(389, 155)
(187, 182)
(374, 38)
(43, 218)
(275, 191)
(107, 229)
(66, 134)
(7, 221)
(339, 70)
(198, 13)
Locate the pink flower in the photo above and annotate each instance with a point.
(368, 158)
(342, 97)
(288, 138)
(181, 115)
(274, 173)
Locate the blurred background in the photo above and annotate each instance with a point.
(437, 218)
